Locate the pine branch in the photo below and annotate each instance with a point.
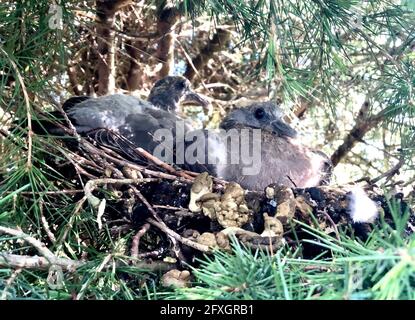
(363, 125)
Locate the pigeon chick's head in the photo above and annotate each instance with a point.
(264, 115)
(168, 92)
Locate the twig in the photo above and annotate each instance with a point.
(162, 226)
(40, 247)
(40, 263)
(391, 172)
(92, 149)
(157, 222)
(37, 263)
(336, 230)
(91, 185)
(152, 254)
(363, 125)
(292, 181)
(136, 240)
(45, 223)
(162, 164)
(79, 170)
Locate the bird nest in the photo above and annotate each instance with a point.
(176, 216)
(192, 210)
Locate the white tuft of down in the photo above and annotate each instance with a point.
(361, 208)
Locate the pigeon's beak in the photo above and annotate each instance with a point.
(192, 97)
(282, 129)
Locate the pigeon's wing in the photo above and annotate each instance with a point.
(153, 130)
(283, 161)
(202, 151)
(73, 101)
(108, 112)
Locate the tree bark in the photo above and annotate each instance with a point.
(106, 11)
(167, 19)
(135, 74)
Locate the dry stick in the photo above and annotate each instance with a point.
(152, 254)
(79, 169)
(40, 263)
(317, 268)
(37, 263)
(103, 163)
(83, 165)
(28, 110)
(72, 156)
(91, 185)
(93, 149)
(391, 172)
(189, 175)
(45, 223)
(163, 227)
(170, 208)
(162, 164)
(136, 240)
(158, 174)
(176, 247)
(336, 230)
(40, 247)
(292, 181)
(178, 212)
(111, 152)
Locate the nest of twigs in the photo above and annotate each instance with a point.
(177, 216)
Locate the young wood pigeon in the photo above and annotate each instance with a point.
(257, 148)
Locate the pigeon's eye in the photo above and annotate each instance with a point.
(181, 85)
(259, 113)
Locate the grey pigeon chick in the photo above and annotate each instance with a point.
(273, 153)
(132, 118)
